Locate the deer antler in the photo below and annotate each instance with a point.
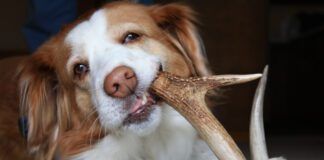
(187, 96)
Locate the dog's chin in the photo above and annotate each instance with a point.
(146, 125)
(143, 116)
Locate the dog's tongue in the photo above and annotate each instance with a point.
(136, 105)
(141, 102)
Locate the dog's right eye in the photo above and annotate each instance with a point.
(129, 37)
(81, 69)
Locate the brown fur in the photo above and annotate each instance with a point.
(12, 144)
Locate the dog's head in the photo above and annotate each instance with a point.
(97, 72)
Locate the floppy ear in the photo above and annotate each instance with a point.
(37, 82)
(178, 21)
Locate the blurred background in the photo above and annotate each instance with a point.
(241, 37)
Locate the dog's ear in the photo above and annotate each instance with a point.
(178, 21)
(37, 95)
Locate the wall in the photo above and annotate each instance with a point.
(235, 36)
(13, 15)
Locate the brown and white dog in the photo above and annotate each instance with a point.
(85, 91)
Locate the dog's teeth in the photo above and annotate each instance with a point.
(144, 99)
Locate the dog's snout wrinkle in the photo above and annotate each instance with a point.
(121, 82)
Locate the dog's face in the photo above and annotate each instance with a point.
(100, 70)
(104, 43)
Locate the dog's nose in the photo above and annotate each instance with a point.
(121, 82)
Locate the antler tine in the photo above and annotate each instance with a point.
(187, 96)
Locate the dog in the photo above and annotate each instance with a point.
(84, 94)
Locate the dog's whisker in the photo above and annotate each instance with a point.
(100, 131)
(91, 130)
(88, 116)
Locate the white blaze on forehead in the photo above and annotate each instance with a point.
(89, 35)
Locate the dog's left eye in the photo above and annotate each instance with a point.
(81, 69)
(130, 37)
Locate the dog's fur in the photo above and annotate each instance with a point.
(71, 117)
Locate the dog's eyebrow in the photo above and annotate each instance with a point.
(124, 28)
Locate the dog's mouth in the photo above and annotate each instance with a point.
(141, 108)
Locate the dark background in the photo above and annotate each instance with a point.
(242, 36)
